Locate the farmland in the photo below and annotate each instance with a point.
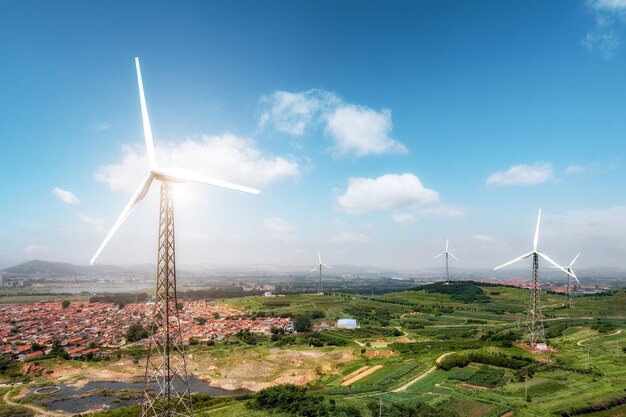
(475, 330)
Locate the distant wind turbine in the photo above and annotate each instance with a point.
(445, 252)
(320, 287)
(535, 332)
(571, 274)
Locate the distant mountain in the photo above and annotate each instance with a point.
(37, 267)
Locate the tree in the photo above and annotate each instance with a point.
(65, 303)
(136, 332)
(57, 350)
(301, 323)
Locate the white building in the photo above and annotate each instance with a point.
(347, 324)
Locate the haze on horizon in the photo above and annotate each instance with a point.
(373, 140)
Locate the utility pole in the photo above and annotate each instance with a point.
(587, 364)
(380, 406)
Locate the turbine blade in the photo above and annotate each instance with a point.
(514, 260)
(442, 253)
(447, 241)
(139, 195)
(574, 275)
(319, 257)
(328, 266)
(547, 258)
(182, 174)
(313, 270)
(536, 239)
(572, 263)
(453, 256)
(147, 130)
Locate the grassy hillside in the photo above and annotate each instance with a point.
(430, 351)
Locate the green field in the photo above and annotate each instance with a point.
(406, 332)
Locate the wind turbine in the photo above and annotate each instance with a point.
(445, 252)
(571, 274)
(535, 332)
(166, 384)
(320, 287)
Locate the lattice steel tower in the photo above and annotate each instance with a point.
(534, 325)
(166, 386)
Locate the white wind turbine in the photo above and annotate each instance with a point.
(571, 274)
(535, 332)
(445, 252)
(320, 287)
(155, 172)
(166, 384)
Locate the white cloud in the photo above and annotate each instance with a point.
(611, 5)
(594, 167)
(389, 192)
(65, 196)
(403, 218)
(346, 237)
(443, 210)
(484, 238)
(293, 113)
(95, 222)
(278, 228)
(522, 175)
(576, 169)
(362, 131)
(35, 249)
(99, 126)
(227, 157)
(604, 37)
(355, 130)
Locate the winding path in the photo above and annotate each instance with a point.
(580, 342)
(37, 410)
(424, 374)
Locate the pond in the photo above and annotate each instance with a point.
(114, 394)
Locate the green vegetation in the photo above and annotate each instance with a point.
(296, 401)
(401, 335)
(464, 291)
(136, 332)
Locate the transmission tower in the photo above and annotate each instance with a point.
(534, 326)
(166, 386)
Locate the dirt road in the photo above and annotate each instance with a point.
(580, 342)
(428, 372)
(39, 412)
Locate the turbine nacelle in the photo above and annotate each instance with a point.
(320, 264)
(446, 252)
(173, 174)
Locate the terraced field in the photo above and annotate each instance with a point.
(402, 334)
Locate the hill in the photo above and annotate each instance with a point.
(56, 269)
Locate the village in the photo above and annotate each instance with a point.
(84, 329)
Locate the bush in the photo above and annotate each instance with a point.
(297, 401)
(136, 332)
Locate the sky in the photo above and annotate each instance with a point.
(375, 130)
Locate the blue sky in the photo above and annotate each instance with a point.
(375, 130)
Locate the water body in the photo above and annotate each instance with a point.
(74, 399)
